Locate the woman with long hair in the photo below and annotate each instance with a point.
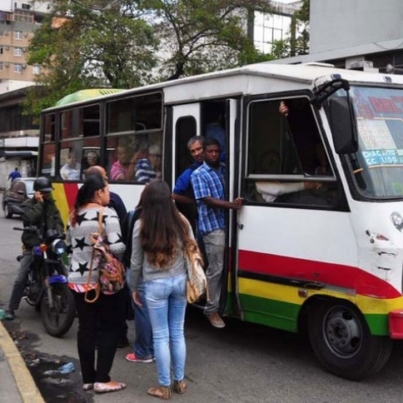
(159, 239)
(107, 311)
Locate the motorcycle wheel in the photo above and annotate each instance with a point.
(58, 320)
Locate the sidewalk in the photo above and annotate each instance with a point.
(17, 385)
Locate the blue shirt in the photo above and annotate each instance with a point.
(209, 182)
(13, 175)
(144, 171)
(183, 185)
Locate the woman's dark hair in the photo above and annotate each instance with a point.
(162, 228)
(86, 194)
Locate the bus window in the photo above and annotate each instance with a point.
(286, 155)
(47, 166)
(80, 122)
(135, 158)
(49, 133)
(135, 114)
(48, 153)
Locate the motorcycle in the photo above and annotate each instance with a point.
(46, 288)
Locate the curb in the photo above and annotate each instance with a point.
(24, 382)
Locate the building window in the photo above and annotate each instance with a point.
(36, 70)
(1, 33)
(18, 68)
(1, 50)
(18, 35)
(1, 66)
(18, 52)
(24, 16)
(269, 28)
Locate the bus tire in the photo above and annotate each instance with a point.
(342, 341)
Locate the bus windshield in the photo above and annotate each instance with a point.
(379, 165)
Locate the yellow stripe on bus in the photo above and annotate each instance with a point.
(289, 294)
(60, 198)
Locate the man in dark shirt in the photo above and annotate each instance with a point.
(41, 212)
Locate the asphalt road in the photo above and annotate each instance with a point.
(241, 363)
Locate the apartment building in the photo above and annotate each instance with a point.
(18, 22)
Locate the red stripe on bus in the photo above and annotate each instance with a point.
(71, 190)
(328, 273)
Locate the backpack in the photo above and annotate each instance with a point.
(111, 271)
(196, 284)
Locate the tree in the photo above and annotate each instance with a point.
(299, 42)
(83, 45)
(199, 36)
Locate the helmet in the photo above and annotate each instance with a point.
(42, 184)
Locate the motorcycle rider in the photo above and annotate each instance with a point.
(39, 211)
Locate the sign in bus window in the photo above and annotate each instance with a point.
(378, 168)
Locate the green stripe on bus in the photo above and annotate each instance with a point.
(284, 316)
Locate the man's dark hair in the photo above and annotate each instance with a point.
(210, 141)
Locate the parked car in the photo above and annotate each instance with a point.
(20, 190)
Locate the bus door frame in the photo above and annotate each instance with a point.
(233, 179)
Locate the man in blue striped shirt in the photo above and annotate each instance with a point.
(209, 185)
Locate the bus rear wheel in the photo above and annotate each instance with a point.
(342, 341)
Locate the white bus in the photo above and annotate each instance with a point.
(318, 244)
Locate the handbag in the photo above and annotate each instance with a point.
(196, 284)
(111, 270)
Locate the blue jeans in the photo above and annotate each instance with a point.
(143, 345)
(166, 302)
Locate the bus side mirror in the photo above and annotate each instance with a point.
(343, 125)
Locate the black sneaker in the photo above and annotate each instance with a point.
(10, 315)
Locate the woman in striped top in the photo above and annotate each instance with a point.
(107, 310)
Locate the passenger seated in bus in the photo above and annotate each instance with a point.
(124, 167)
(145, 170)
(70, 171)
(90, 160)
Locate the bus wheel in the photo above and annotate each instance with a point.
(341, 340)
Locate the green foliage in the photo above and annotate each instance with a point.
(89, 44)
(200, 36)
(128, 43)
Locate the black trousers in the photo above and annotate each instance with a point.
(109, 312)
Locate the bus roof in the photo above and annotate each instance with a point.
(305, 74)
(84, 95)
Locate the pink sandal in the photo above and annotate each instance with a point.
(105, 387)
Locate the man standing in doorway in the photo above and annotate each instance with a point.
(183, 192)
(208, 185)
